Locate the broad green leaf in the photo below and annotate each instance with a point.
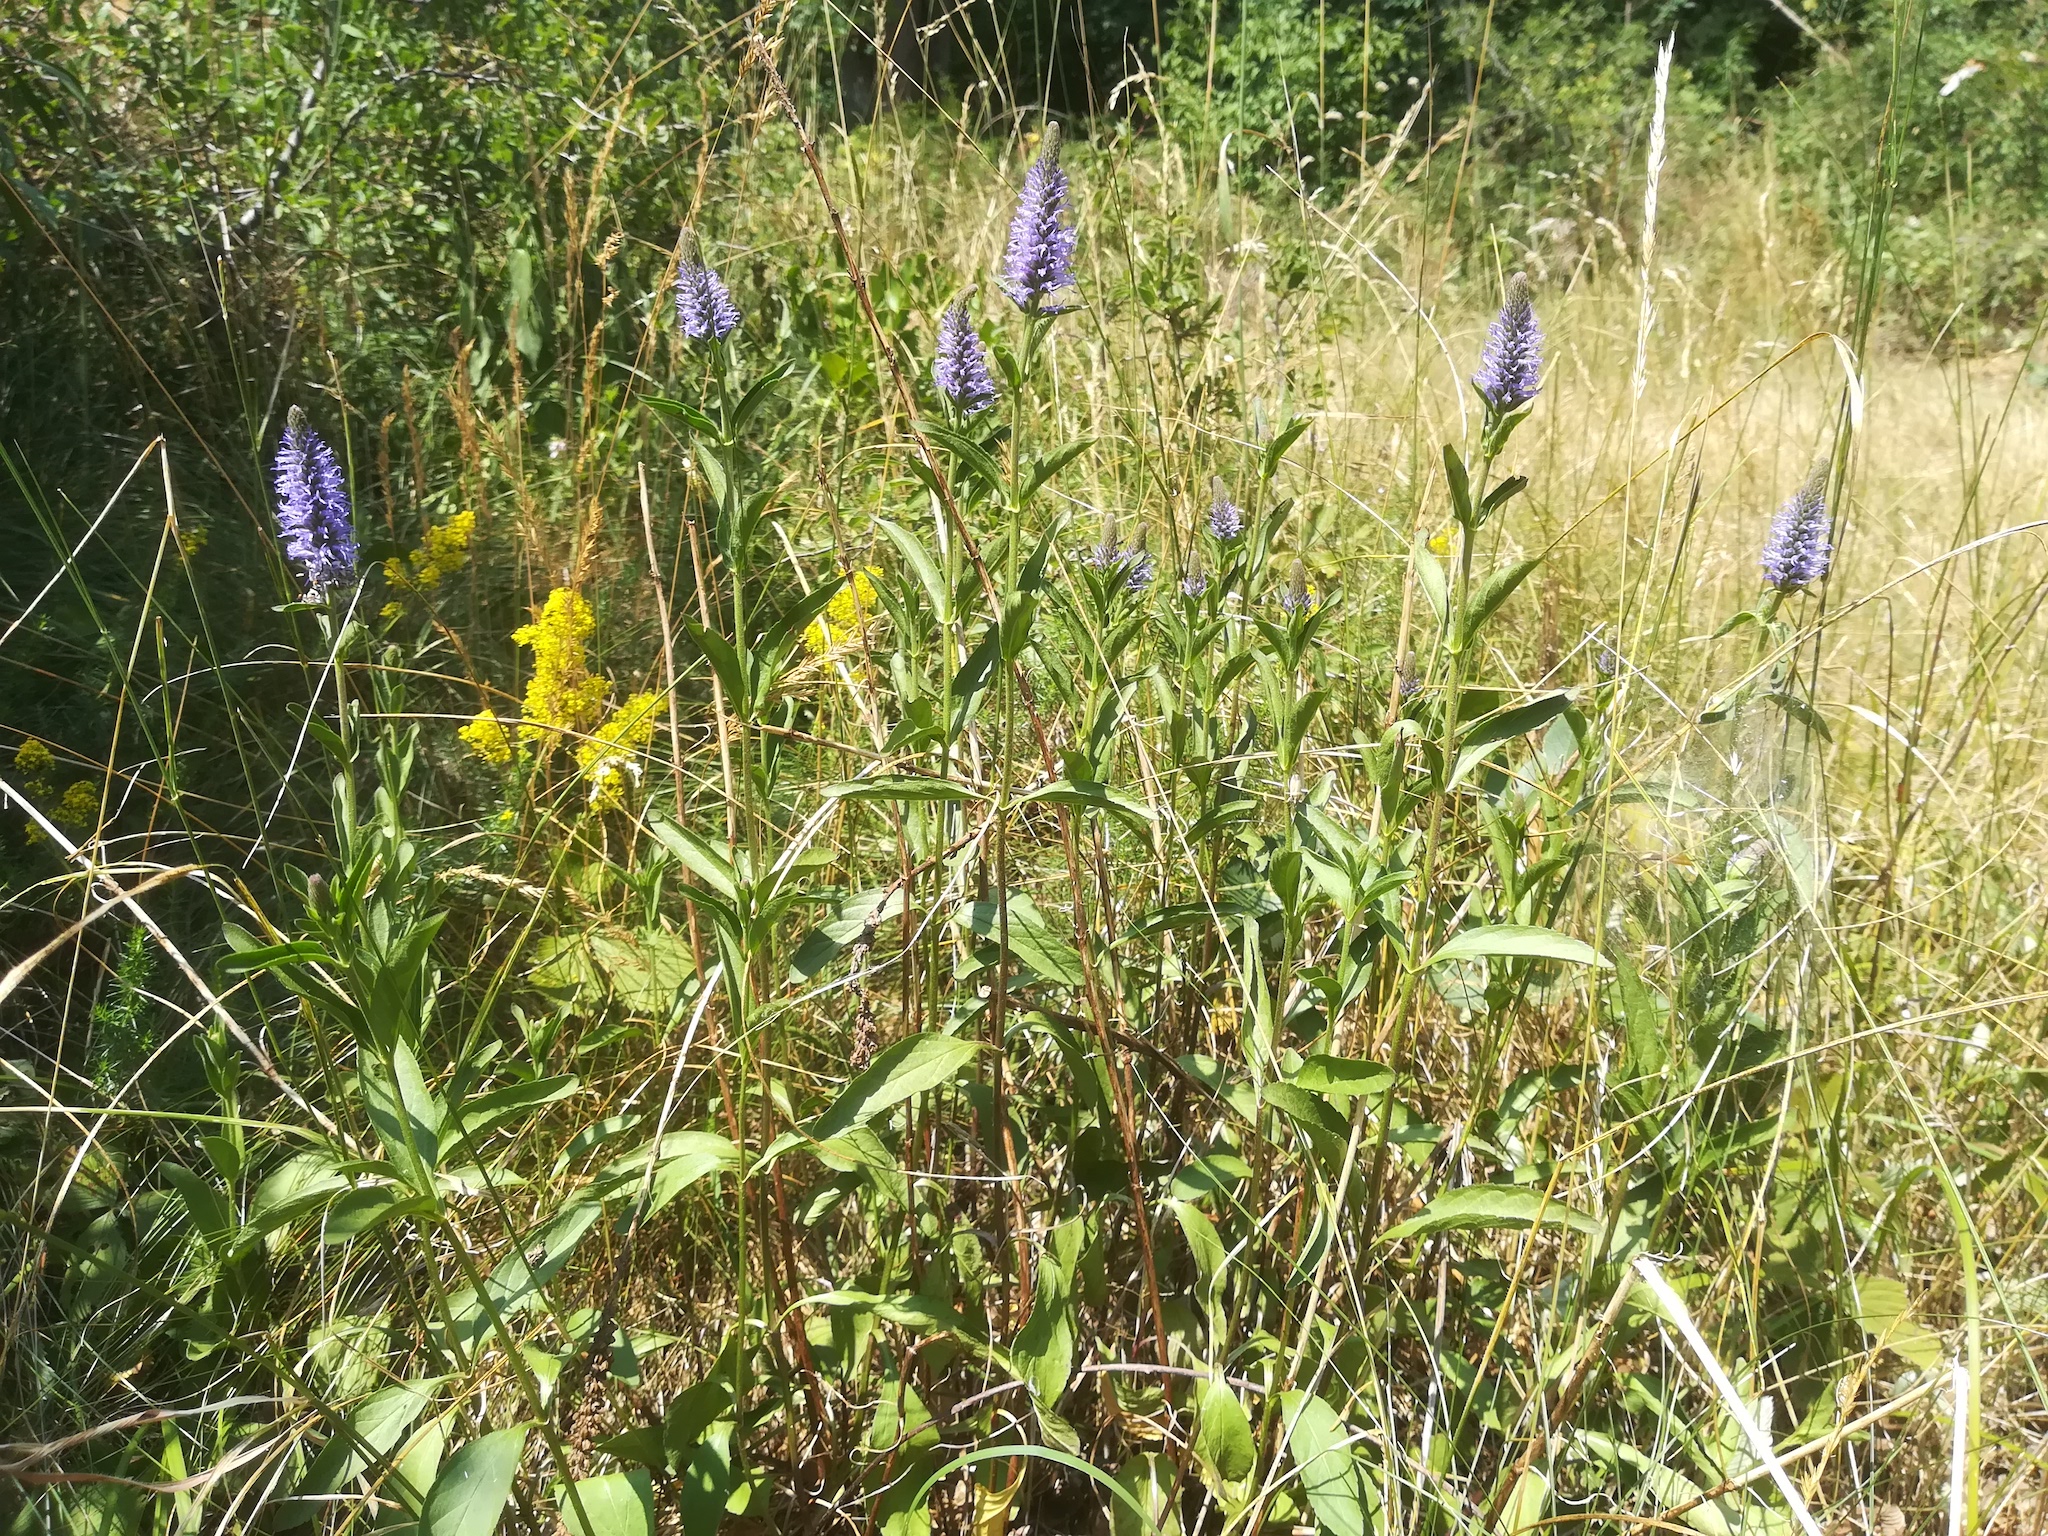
(303, 1184)
(1321, 1452)
(470, 1494)
(1882, 1308)
(487, 1111)
(1044, 469)
(969, 452)
(364, 1210)
(267, 957)
(1518, 942)
(1494, 591)
(920, 561)
(1460, 484)
(1089, 795)
(375, 1427)
(1223, 1433)
(906, 1309)
(406, 1116)
(1031, 937)
(1430, 582)
(1043, 1352)
(616, 1504)
(901, 788)
(1642, 1022)
(517, 1281)
(911, 1066)
(682, 411)
(706, 1482)
(709, 864)
(1482, 1206)
(1284, 439)
(1670, 1488)
(1526, 1505)
(207, 1209)
(684, 1158)
(1150, 1479)
(1212, 1260)
(1487, 735)
(645, 970)
(1341, 1077)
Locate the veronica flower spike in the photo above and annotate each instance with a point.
(1797, 553)
(1039, 260)
(313, 517)
(960, 368)
(1226, 517)
(1511, 368)
(704, 307)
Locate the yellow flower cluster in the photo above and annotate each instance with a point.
(610, 757)
(33, 760)
(845, 615)
(564, 699)
(444, 551)
(562, 696)
(80, 806)
(487, 737)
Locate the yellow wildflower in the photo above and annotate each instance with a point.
(610, 758)
(33, 759)
(562, 696)
(192, 540)
(80, 806)
(845, 615)
(444, 551)
(1440, 541)
(487, 737)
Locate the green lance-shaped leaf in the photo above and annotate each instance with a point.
(921, 563)
(1042, 470)
(1487, 735)
(616, 1504)
(1431, 582)
(1276, 450)
(1516, 941)
(681, 410)
(406, 1116)
(1092, 795)
(470, 1494)
(1494, 591)
(518, 1279)
(1321, 1452)
(1043, 1351)
(1482, 1207)
(902, 789)
(375, 1426)
(911, 1066)
(1223, 1433)
(1460, 484)
(706, 1482)
(1031, 937)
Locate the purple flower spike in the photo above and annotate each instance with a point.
(960, 369)
(1226, 517)
(312, 509)
(1140, 570)
(1797, 553)
(1194, 584)
(1039, 261)
(1511, 367)
(704, 308)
